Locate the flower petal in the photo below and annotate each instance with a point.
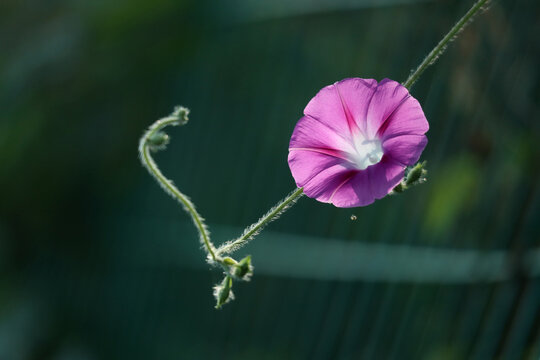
(324, 184)
(354, 191)
(407, 119)
(356, 95)
(342, 105)
(384, 176)
(305, 164)
(388, 97)
(405, 149)
(311, 133)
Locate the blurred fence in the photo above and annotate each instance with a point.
(97, 263)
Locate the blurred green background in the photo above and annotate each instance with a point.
(96, 262)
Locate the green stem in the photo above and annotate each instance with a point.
(178, 117)
(441, 46)
(255, 228)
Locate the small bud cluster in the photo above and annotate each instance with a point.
(238, 270)
(181, 113)
(155, 138)
(158, 141)
(414, 176)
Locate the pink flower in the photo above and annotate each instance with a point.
(355, 141)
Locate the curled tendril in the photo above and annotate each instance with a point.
(155, 139)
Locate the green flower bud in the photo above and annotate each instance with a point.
(223, 292)
(158, 140)
(417, 174)
(243, 270)
(182, 114)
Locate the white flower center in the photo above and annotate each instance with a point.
(368, 152)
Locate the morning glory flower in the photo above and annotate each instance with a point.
(355, 140)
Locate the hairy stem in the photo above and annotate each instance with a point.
(441, 46)
(251, 231)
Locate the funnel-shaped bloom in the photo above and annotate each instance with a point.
(355, 141)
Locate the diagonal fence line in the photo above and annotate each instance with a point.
(316, 258)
